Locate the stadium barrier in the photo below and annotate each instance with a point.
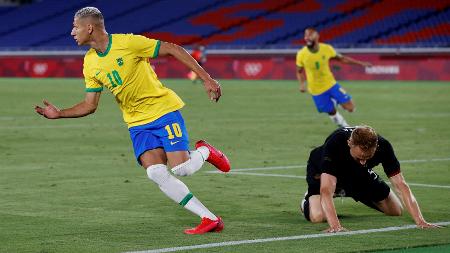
(388, 64)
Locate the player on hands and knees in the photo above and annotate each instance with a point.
(343, 165)
(314, 59)
(119, 62)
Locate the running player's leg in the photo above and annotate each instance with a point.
(151, 154)
(348, 106)
(173, 135)
(342, 97)
(324, 103)
(175, 140)
(176, 190)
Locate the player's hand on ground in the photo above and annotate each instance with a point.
(335, 229)
(49, 111)
(213, 89)
(425, 225)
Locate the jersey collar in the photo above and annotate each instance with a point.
(107, 49)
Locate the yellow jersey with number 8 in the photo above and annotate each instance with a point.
(124, 68)
(317, 68)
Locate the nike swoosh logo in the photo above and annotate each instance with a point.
(174, 142)
(97, 73)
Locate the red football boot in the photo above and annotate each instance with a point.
(206, 226)
(216, 157)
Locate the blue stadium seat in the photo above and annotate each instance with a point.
(274, 23)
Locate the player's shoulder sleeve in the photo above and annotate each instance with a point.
(390, 163)
(330, 50)
(92, 83)
(299, 58)
(331, 152)
(143, 46)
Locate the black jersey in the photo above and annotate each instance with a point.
(334, 158)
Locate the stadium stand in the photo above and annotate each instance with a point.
(235, 23)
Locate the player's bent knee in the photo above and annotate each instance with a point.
(184, 169)
(158, 173)
(395, 212)
(350, 108)
(316, 217)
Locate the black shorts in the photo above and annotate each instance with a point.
(368, 193)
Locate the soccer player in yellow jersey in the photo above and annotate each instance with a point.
(120, 62)
(326, 92)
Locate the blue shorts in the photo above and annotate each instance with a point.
(325, 101)
(168, 132)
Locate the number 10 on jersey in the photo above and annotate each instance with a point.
(117, 78)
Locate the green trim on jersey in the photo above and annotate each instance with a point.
(107, 49)
(186, 199)
(156, 52)
(94, 89)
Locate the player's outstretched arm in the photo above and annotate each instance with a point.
(350, 60)
(327, 188)
(86, 107)
(409, 201)
(212, 87)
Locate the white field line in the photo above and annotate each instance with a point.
(304, 166)
(243, 171)
(286, 238)
(430, 185)
(426, 160)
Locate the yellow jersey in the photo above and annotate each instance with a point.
(317, 68)
(124, 69)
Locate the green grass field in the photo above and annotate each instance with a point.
(73, 185)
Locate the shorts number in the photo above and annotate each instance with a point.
(117, 78)
(176, 130)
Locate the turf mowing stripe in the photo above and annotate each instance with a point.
(266, 174)
(304, 166)
(272, 168)
(48, 126)
(242, 171)
(303, 177)
(286, 238)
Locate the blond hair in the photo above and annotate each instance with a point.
(90, 12)
(364, 137)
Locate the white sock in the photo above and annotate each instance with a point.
(177, 190)
(204, 151)
(194, 205)
(339, 120)
(197, 158)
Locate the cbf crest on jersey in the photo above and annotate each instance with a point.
(119, 61)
